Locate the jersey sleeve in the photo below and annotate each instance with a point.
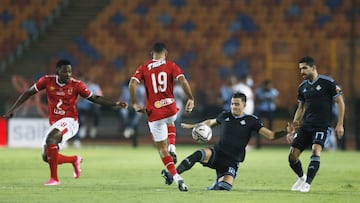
(220, 117)
(336, 89)
(83, 90)
(301, 97)
(256, 124)
(177, 70)
(41, 83)
(138, 75)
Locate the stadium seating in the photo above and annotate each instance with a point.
(212, 38)
(21, 20)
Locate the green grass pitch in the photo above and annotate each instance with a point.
(126, 174)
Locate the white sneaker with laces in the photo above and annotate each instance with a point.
(298, 184)
(305, 187)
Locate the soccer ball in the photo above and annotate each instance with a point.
(201, 133)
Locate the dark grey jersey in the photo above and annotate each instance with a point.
(318, 97)
(236, 133)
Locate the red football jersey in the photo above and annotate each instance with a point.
(62, 97)
(158, 77)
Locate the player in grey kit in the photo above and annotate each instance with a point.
(316, 95)
(229, 152)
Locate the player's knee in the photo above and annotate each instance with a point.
(44, 157)
(198, 156)
(43, 153)
(54, 137)
(292, 157)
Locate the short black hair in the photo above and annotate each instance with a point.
(62, 62)
(308, 60)
(240, 95)
(159, 47)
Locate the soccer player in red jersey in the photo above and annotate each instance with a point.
(158, 76)
(62, 91)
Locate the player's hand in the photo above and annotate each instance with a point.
(187, 126)
(296, 124)
(189, 105)
(8, 115)
(121, 104)
(290, 137)
(290, 128)
(139, 108)
(339, 131)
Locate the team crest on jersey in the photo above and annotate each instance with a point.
(242, 122)
(304, 90)
(227, 119)
(318, 88)
(70, 91)
(51, 88)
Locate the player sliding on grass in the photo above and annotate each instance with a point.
(62, 91)
(158, 76)
(229, 152)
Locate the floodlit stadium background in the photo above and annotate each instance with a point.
(209, 39)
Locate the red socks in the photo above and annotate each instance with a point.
(169, 164)
(171, 135)
(66, 159)
(52, 157)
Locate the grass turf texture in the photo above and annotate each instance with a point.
(125, 174)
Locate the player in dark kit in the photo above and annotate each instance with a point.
(312, 119)
(226, 155)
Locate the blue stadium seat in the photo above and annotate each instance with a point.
(188, 26)
(6, 17)
(231, 46)
(118, 63)
(117, 18)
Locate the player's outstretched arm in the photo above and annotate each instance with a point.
(209, 122)
(20, 100)
(277, 134)
(103, 101)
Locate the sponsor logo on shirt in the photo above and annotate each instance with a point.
(60, 93)
(156, 64)
(164, 102)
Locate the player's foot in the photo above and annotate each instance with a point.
(182, 187)
(305, 187)
(173, 155)
(76, 165)
(167, 176)
(52, 181)
(211, 187)
(299, 183)
(180, 183)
